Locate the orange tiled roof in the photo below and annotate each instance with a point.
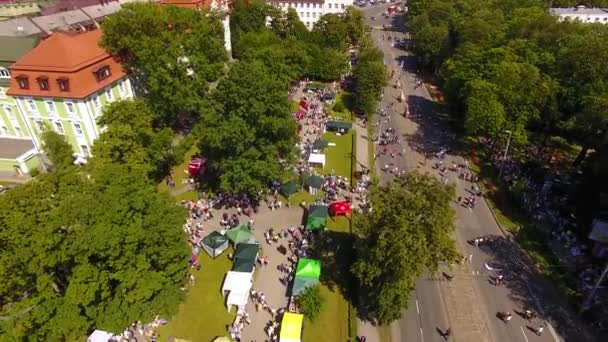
(194, 4)
(71, 55)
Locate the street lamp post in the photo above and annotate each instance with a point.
(504, 157)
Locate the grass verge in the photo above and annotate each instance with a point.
(203, 315)
(338, 158)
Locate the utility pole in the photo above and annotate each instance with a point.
(504, 157)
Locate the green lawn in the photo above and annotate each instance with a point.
(203, 315)
(341, 102)
(334, 323)
(338, 158)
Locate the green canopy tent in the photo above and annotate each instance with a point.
(308, 272)
(289, 188)
(309, 268)
(302, 283)
(317, 217)
(314, 183)
(248, 251)
(320, 144)
(240, 234)
(339, 126)
(243, 265)
(214, 244)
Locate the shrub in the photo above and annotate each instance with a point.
(311, 302)
(339, 106)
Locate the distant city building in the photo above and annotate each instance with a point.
(582, 14)
(10, 10)
(310, 11)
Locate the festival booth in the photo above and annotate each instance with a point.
(243, 265)
(319, 145)
(340, 208)
(100, 336)
(240, 234)
(238, 284)
(291, 327)
(214, 244)
(303, 106)
(339, 126)
(197, 167)
(289, 188)
(247, 251)
(314, 183)
(316, 159)
(308, 272)
(317, 217)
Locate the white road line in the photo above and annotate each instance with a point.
(417, 307)
(421, 335)
(523, 332)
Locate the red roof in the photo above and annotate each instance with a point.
(65, 55)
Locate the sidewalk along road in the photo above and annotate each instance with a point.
(468, 304)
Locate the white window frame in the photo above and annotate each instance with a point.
(5, 73)
(58, 127)
(39, 125)
(31, 105)
(122, 87)
(86, 152)
(10, 114)
(77, 128)
(68, 105)
(4, 130)
(96, 102)
(50, 106)
(109, 94)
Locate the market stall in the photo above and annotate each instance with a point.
(316, 159)
(291, 327)
(317, 217)
(214, 244)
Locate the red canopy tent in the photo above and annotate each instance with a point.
(303, 105)
(197, 167)
(340, 208)
(300, 114)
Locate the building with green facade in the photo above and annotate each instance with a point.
(63, 84)
(18, 154)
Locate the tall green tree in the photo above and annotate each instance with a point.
(88, 250)
(249, 131)
(130, 139)
(246, 16)
(170, 54)
(409, 231)
(370, 77)
(58, 150)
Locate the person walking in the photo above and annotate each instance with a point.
(539, 331)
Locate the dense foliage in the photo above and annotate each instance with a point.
(512, 66)
(311, 302)
(170, 54)
(83, 250)
(58, 150)
(409, 231)
(249, 131)
(130, 139)
(370, 78)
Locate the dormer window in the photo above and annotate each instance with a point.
(23, 82)
(43, 82)
(4, 73)
(63, 83)
(102, 73)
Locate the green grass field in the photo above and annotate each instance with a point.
(338, 158)
(203, 315)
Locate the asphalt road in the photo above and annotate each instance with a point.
(468, 304)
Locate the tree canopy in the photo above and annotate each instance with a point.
(409, 231)
(170, 54)
(57, 149)
(130, 139)
(250, 129)
(370, 77)
(83, 250)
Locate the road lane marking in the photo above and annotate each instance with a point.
(421, 334)
(417, 308)
(523, 332)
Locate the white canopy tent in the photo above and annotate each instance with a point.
(237, 282)
(316, 159)
(238, 299)
(100, 336)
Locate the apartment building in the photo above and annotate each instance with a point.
(309, 11)
(56, 86)
(581, 13)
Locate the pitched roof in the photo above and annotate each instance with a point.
(14, 48)
(58, 52)
(56, 57)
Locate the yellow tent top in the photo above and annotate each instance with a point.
(291, 327)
